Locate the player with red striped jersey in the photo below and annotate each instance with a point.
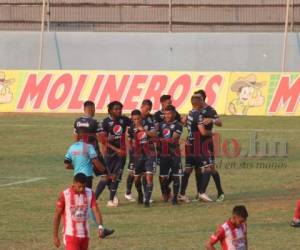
(73, 205)
(232, 235)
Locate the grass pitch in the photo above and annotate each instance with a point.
(33, 146)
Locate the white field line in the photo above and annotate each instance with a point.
(21, 182)
(216, 129)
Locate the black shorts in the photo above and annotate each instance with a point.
(199, 158)
(104, 172)
(114, 164)
(169, 165)
(144, 164)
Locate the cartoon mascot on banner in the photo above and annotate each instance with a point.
(249, 95)
(6, 95)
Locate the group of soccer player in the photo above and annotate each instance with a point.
(100, 148)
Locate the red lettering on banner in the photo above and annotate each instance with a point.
(286, 95)
(34, 89)
(65, 81)
(75, 103)
(134, 91)
(216, 80)
(155, 89)
(199, 81)
(111, 92)
(96, 88)
(183, 82)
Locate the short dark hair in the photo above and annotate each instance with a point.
(170, 108)
(240, 211)
(88, 104)
(136, 112)
(165, 98)
(147, 102)
(202, 93)
(111, 105)
(81, 178)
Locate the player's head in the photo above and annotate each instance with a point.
(146, 107)
(136, 116)
(165, 100)
(239, 215)
(115, 108)
(196, 101)
(89, 108)
(202, 93)
(79, 182)
(169, 113)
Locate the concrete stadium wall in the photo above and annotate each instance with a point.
(150, 51)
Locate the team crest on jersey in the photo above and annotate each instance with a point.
(166, 132)
(141, 135)
(117, 129)
(146, 127)
(172, 126)
(110, 123)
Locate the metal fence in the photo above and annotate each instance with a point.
(150, 15)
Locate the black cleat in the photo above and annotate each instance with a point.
(295, 224)
(147, 204)
(107, 232)
(175, 202)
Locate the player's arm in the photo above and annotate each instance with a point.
(214, 238)
(68, 160)
(60, 206)
(204, 131)
(98, 165)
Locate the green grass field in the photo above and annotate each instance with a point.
(33, 145)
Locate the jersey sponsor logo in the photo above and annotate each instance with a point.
(166, 133)
(82, 124)
(141, 135)
(117, 129)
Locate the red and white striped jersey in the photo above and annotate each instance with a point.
(75, 211)
(231, 237)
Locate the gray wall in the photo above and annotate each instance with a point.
(150, 51)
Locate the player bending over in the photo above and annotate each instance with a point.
(232, 235)
(140, 133)
(296, 220)
(73, 205)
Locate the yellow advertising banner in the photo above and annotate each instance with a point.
(232, 93)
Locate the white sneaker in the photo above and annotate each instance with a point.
(151, 201)
(205, 197)
(116, 201)
(111, 204)
(184, 198)
(129, 197)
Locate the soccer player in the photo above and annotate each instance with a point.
(296, 220)
(209, 118)
(113, 130)
(82, 157)
(92, 128)
(73, 205)
(165, 101)
(169, 132)
(146, 108)
(140, 133)
(192, 148)
(233, 233)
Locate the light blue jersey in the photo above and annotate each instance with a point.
(81, 154)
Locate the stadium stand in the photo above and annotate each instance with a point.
(150, 15)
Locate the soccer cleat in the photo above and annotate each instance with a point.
(174, 202)
(184, 198)
(111, 204)
(205, 197)
(295, 224)
(116, 201)
(147, 204)
(151, 201)
(129, 197)
(221, 198)
(107, 232)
